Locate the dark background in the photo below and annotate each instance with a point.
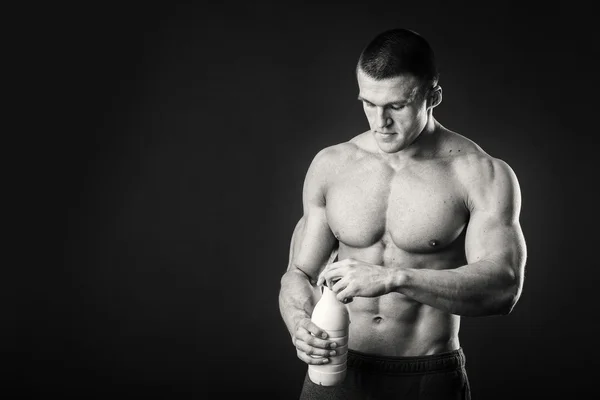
(168, 173)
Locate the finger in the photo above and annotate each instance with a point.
(330, 277)
(321, 277)
(311, 360)
(323, 273)
(314, 341)
(338, 284)
(313, 329)
(331, 267)
(313, 351)
(333, 280)
(346, 295)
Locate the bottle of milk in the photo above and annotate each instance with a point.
(331, 315)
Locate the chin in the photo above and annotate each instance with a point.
(388, 147)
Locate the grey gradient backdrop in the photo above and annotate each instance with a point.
(173, 182)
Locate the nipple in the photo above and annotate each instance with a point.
(434, 243)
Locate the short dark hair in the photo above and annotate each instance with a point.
(399, 51)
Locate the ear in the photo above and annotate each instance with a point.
(435, 97)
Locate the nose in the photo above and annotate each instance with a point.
(381, 119)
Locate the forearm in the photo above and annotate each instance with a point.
(297, 298)
(476, 289)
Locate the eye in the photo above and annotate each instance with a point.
(367, 104)
(397, 107)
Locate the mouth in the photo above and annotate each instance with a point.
(386, 134)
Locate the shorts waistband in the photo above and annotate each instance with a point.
(448, 361)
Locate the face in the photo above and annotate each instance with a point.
(395, 109)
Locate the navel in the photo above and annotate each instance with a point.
(377, 320)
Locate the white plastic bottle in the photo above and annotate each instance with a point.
(331, 315)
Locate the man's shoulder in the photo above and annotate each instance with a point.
(453, 144)
(472, 165)
(338, 150)
(463, 152)
(328, 162)
(476, 168)
(339, 153)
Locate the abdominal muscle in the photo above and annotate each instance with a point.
(396, 325)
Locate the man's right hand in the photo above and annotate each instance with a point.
(311, 343)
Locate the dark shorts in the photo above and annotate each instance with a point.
(436, 377)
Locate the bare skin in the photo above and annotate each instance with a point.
(425, 225)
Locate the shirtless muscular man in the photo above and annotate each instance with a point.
(426, 228)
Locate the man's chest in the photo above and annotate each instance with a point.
(413, 208)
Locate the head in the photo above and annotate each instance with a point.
(398, 85)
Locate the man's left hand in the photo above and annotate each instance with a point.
(352, 278)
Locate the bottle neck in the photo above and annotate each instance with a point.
(329, 295)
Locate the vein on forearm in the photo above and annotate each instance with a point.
(297, 297)
(476, 289)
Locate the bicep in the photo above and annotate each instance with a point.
(314, 240)
(314, 246)
(492, 238)
(296, 240)
(494, 233)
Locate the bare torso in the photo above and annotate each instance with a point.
(411, 214)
